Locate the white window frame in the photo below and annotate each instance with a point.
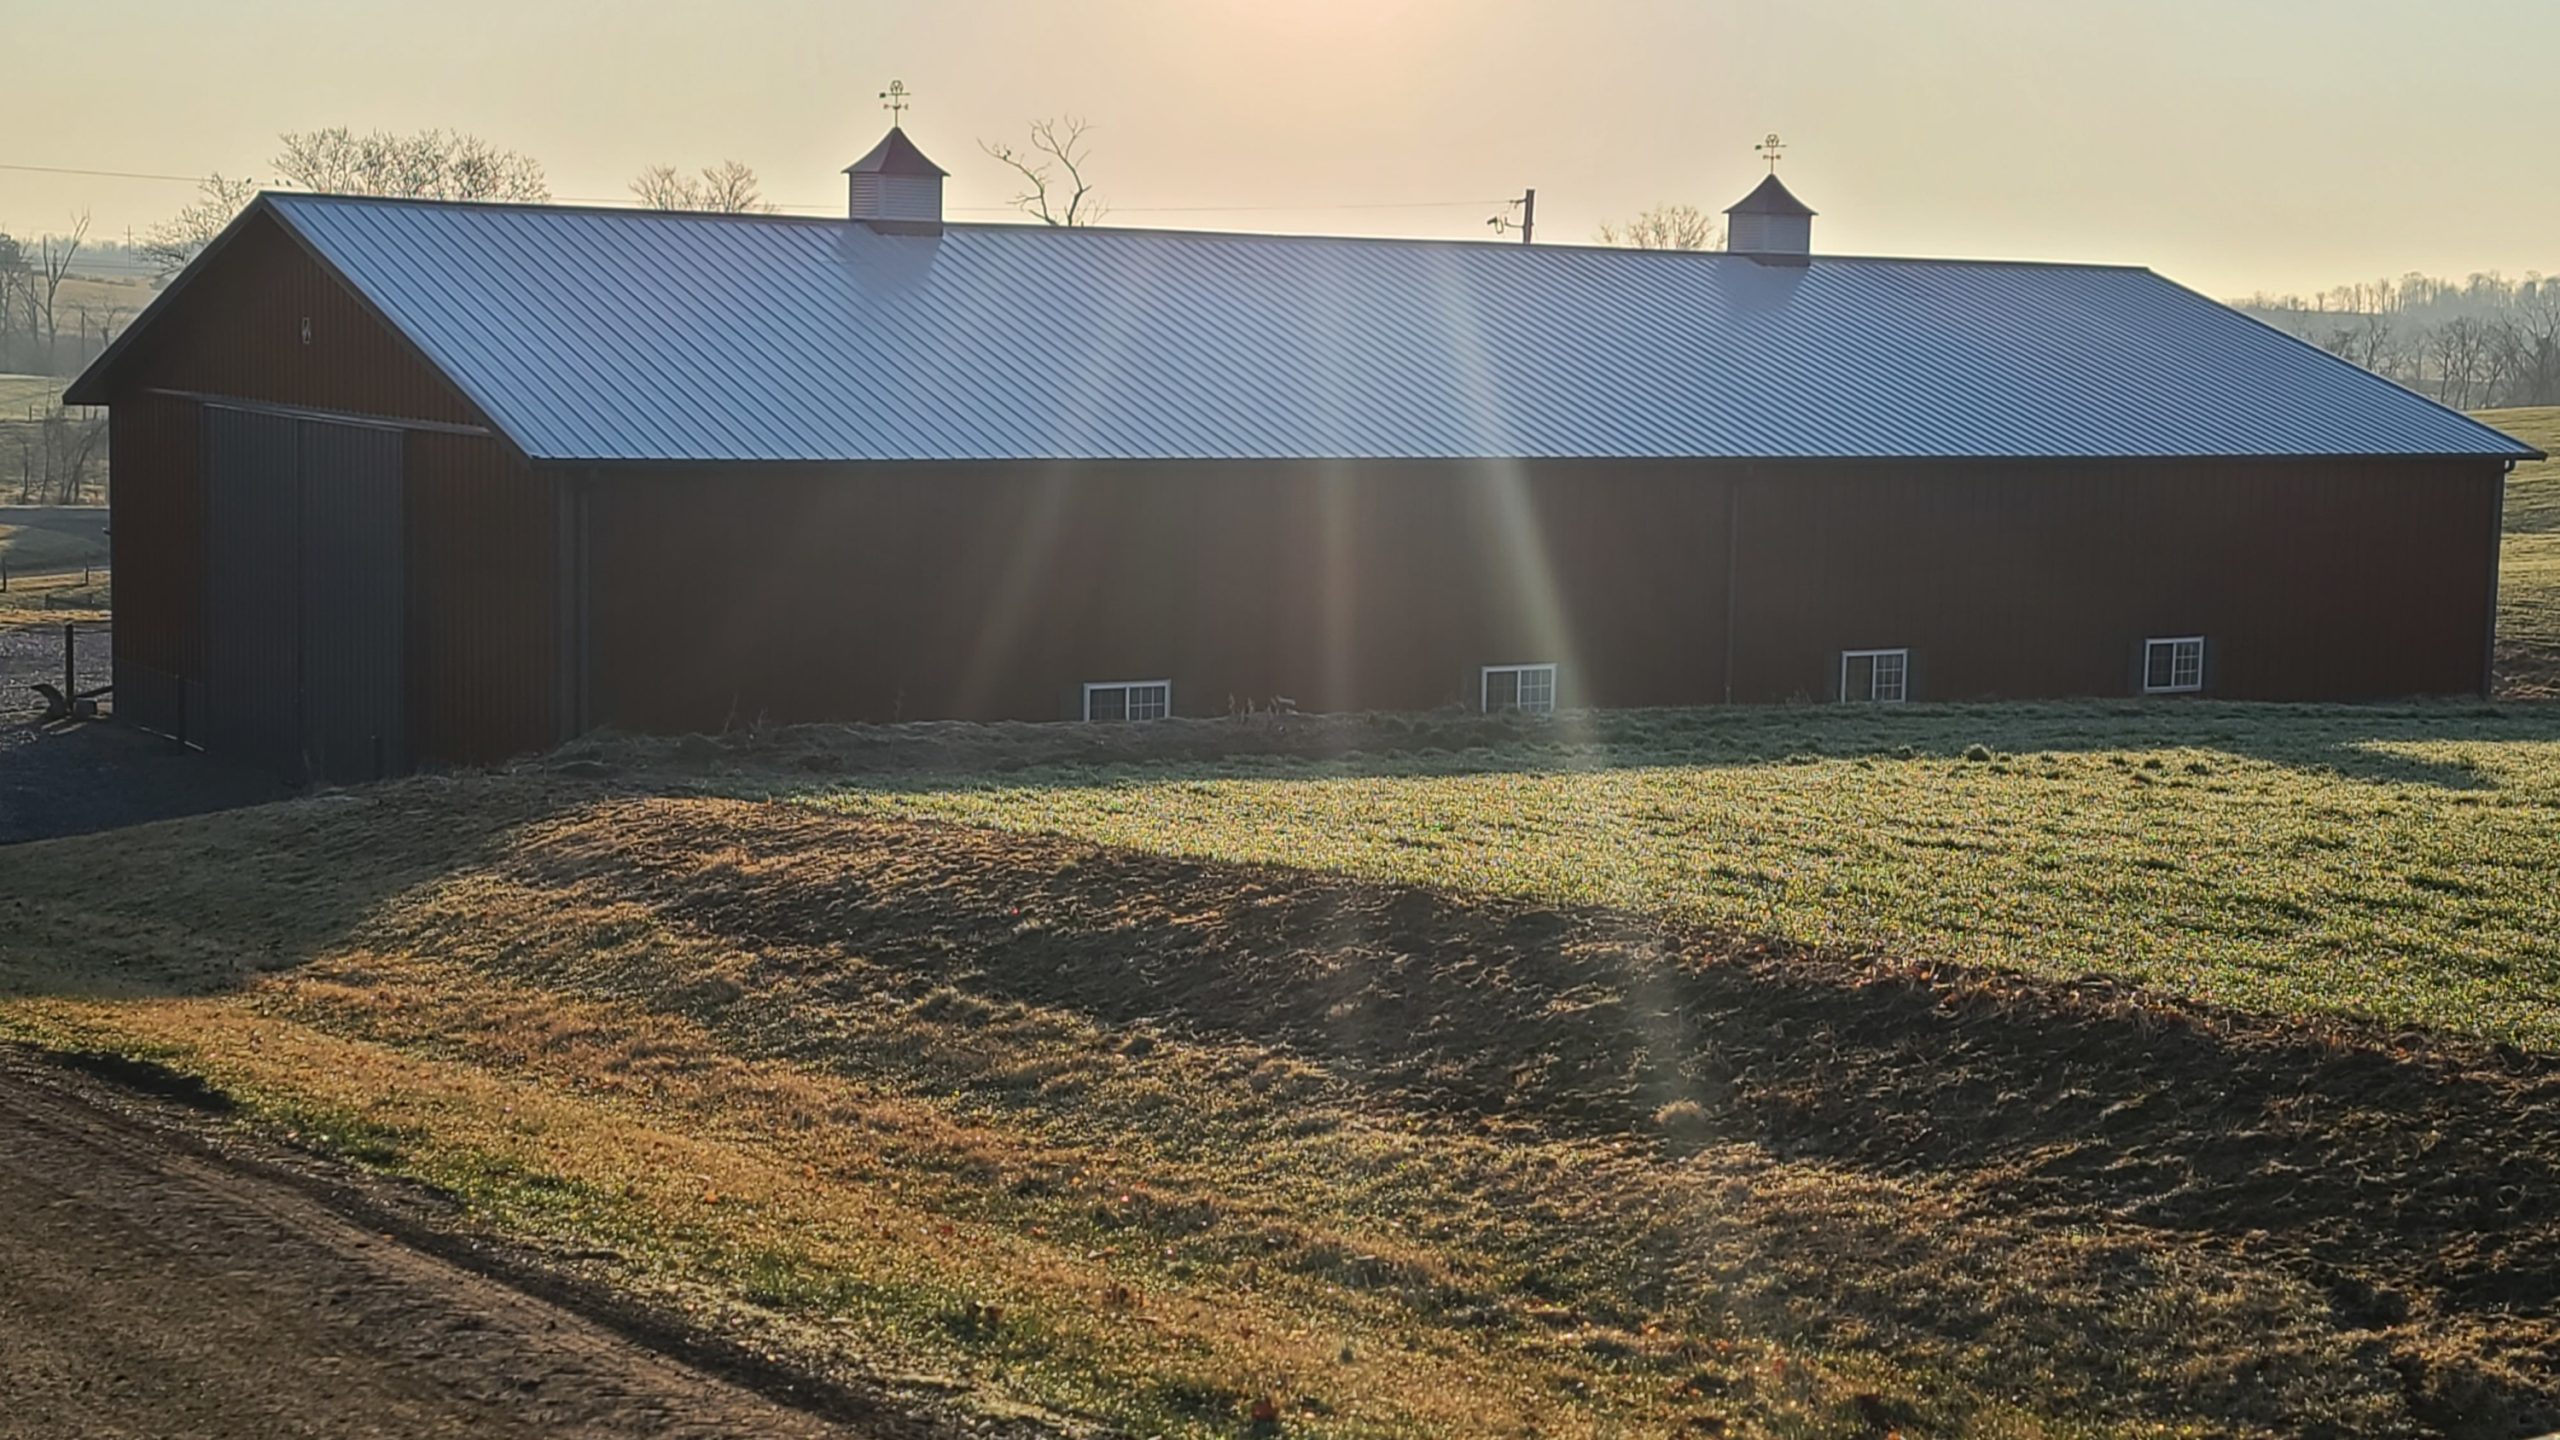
(1901, 656)
(1484, 687)
(1128, 700)
(2174, 687)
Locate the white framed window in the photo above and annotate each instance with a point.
(1881, 676)
(2173, 666)
(1128, 699)
(1519, 687)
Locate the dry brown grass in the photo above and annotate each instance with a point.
(1138, 1139)
(58, 599)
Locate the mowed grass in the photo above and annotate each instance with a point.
(1137, 1141)
(58, 599)
(2529, 566)
(2400, 865)
(24, 395)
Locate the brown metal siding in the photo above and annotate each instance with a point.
(483, 601)
(2309, 580)
(239, 332)
(993, 591)
(156, 529)
(988, 592)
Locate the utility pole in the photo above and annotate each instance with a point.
(1527, 224)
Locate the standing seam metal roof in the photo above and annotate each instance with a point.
(619, 335)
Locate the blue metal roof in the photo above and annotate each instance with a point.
(613, 335)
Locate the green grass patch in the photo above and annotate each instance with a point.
(1140, 1139)
(2399, 865)
(2533, 490)
(2529, 566)
(22, 395)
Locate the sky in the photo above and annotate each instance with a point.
(2235, 145)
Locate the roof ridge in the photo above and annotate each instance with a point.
(1097, 233)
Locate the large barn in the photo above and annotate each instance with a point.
(403, 482)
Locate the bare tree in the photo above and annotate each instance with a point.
(2499, 353)
(429, 165)
(175, 242)
(1667, 227)
(94, 330)
(660, 187)
(54, 256)
(1047, 195)
(731, 188)
(2459, 349)
(15, 279)
(2535, 377)
(728, 188)
(70, 443)
(2364, 340)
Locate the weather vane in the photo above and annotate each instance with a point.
(894, 100)
(1769, 149)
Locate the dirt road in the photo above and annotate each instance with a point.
(146, 1290)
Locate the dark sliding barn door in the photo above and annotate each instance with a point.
(253, 589)
(354, 589)
(304, 596)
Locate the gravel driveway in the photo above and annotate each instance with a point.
(66, 779)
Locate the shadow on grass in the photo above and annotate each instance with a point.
(205, 904)
(71, 779)
(2416, 1180)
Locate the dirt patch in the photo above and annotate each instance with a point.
(148, 1291)
(284, 1292)
(2414, 1180)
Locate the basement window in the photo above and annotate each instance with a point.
(1128, 699)
(2173, 667)
(1875, 676)
(1520, 687)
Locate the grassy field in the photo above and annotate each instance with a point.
(25, 395)
(1467, 1114)
(57, 599)
(2398, 865)
(24, 400)
(2529, 570)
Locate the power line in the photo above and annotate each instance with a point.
(106, 174)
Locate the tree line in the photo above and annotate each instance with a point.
(2480, 343)
(43, 331)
